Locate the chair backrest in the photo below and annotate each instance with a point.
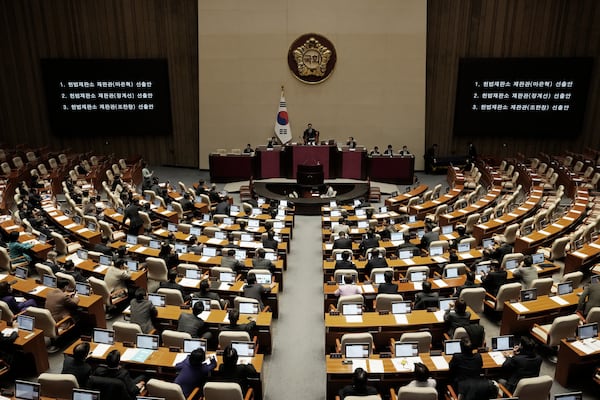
(59, 386)
(592, 316)
(43, 321)
(342, 272)
(5, 313)
(575, 278)
(240, 299)
(216, 271)
(178, 209)
(358, 337)
(353, 298)
(510, 233)
(423, 338)
(507, 292)
(437, 243)
(5, 264)
(376, 271)
(557, 250)
(164, 389)
(384, 301)
(460, 333)
(536, 388)
(68, 277)
(157, 269)
(226, 337)
(126, 331)
(471, 221)
(417, 393)
(511, 256)
(427, 195)
(222, 391)
(181, 268)
(42, 270)
(184, 228)
(562, 327)
(462, 268)
(173, 297)
(99, 287)
(422, 268)
(542, 286)
(60, 244)
(174, 338)
(474, 298)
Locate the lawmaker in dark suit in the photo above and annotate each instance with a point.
(426, 298)
(457, 316)
(259, 261)
(132, 213)
(172, 284)
(234, 316)
(525, 363)
(231, 371)
(589, 298)
(359, 385)
(465, 365)
(342, 242)
(345, 262)
(229, 261)
(112, 369)
(193, 371)
(269, 242)
(469, 283)
(193, 324)
(428, 237)
(222, 207)
(388, 286)
(143, 311)
(256, 291)
(377, 261)
(494, 279)
(369, 242)
(77, 365)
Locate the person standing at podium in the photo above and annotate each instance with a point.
(310, 135)
(351, 142)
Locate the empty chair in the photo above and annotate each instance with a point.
(109, 234)
(593, 183)
(171, 391)
(427, 195)
(18, 162)
(413, 201)
(588, 172)
(59, 386)
(575, 278)
(461, 267)
(510, 234)
(52, 329)
(474, 298)
(99, 287)
(174, 338)
(558, 249)
(551, 334)
(542, 286)
(471, 222)
(173, 297)
(157, 271)
(383, 301)
(551, 184)
(512, 183)
(225, 391)
(354, 298)
(226, 337)
(61, 245)
(126, 331)
(593, 315)
(42, 270)
(5, 313)
(536, 388)
(355, 338)
(423, 338)
(507, 292)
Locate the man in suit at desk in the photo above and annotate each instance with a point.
(259, 261)
(229, 261)
(234, 316)
(526, 272)
(342, 242)
(231, 371)
(404, 151)
(377, 260)
(112, 369)
(429, 236)
(359, 385)
(310, 135)
(132, 213)
(269, 242)
(368, 242)
(351, 142)
(193, 324)
(223, 206)
(60, 303)
(589, 298)
(494, 279)
(255, 290)
(408, 246)
(388, 286)
(523, 363)
(426, 297)
(345, 262)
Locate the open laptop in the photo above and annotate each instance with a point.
(244, 349)
(538, 258)
(105, 260)
(451, 347)
(228, 221)
(272, 256)
(246, 237)
(463, 247)
(436, 251)
(181, 248)
(405, 254)
(253, 223)
(154, 244)
(42, 238)
(240, 254)
(447, 229)
(383, 209)
(49, 281)
(190, 345)
(77, 219)
(412, 219)
(528, 294)
(357, 350)
(401, 307)
(360, 212)
(143, 341)
(21, 272)
(104, 336)
(131, 240)
(205, 303)
(225, 276)
(418, 276)
(406, 349)
(171, 227)
(27, 390)
(363, 224)
(82, 254)
(25, 322)
(248, 307)
(83, 288)
(526, 230)
(193, 273)
(564, 288)
(503, 343)
(352, 309)
(84, 394)
(263, 279)
(234, 210)
(158, 300)
(91, 226)
(379, 277)
(488, 243)
(587, 331)
(132, 265)
(209, 251)
(595, 279)
(444, 304)
(511, 264)
(481, 269)
(569, 396)
(451, 272)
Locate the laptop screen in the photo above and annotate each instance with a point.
(357, 350)
(247, 307)
(537, 258)
(352, 309)
(205, 217)
(418, 276)
(569, 396)
(278, 224)
(587, 331)
(595, 279)
(397, 236)
(105, 260)
(196, 231)
(502, 343)
(83, 394)
(436, 251)
(193, 273)
(244, 349)
(21, 272)
(405, 254)
(82, 254)
(49, 281)
(205, 303)
(154, 244)
(464, 247)
(482, 269)
(181, 248)
(77, 219)
(247, 237)
(412, 218)
(379, 277)
(91, 226)
(27, 390)
(253, 223)
(401, 307)
(451, 272)
(256, 211)
(190, 345)
(487, 243)
(240, 254)
(171, 227)
(511, 264)
(104, 336)
(447, 229)
(529, 294)
(338, 256)
(132, 239)
(383, 209)
(451, 347)
(234, 210)
(149, 342)
(271, 256)
(445, 303)
(363, 224)
(158, 300)
(228, 221)
(359, 212)
(26, 322)
(406, 349)
(82, 288)
(132, 265)
(332, 203)
(169, 207)
(209, 251)
(263, 279)
(42, 238)
(565, 288)
(227, 276)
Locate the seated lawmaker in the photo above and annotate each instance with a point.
(388, 286)
(426, 297)
(342, 242)
(193, 324)
(348, 288)
(359, 385)
(259, 261)
(232, 371)
(113, 369)
(457, 316)
(193, 372)
(345, 262)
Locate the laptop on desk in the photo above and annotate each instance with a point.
(190, 345)
(569, 396)
(529, 294)
(144, 341)
(27, 390)
(244, 349)
(21, 272)
(49, 281)
(451, 347)
(464, 247)
(564, 288)
(445, 304)
(357, 350)
(587, 331)
(503, 343)
(401, 307)
(418, 276)
(157, 300)
(247, 307)
(25, 322)
(103, 336)
(85, 394)
(83, 288)
(352, 309)
(406, 349)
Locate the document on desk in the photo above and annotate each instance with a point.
(3, 276)
(6, 332)
(160, 231)
(368, 289)
(579, 254)
(440, 363)
(405, 363)
(418, 285)
(37, 289)
(214, 241)
(204, 315)
(376, 366)
(101, 268)
(408, 261)
(559, 300)
(204, 259)
(10, 228)
(498, 357)
(328, 246)
(595, 245)
(354, 319)
(359, 363)
(587, 346)
(519, 307)
(439, 315)
(439, 259)
(224, 286)
(397, 243)
(100, 350)
(401, 319)
(440, 283)
(83, 230)
(179, 357)
(71, 226)
(137, 355)
(244, 360)
(62, 218)
(141, 249)
(189, 282)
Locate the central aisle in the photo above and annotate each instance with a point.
(296, 369)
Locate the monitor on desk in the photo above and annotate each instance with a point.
(209, 251)
(397, 236)
(338, 256)
(451, 347)
(234, 210)
(379, 277)
(332, 203)
(406, 349)
(226, 276)
(82, 254)
(451, 272)
(104, 336)
(248, 307)
(537, 258)
(356, 202)
(21, 272)
(418, 276)
(503, 343)
(578, 244)
(405, 254)
(132, 265)
(595, 279)
(412, 219)
(154, 244)
(485, 218)
(526, 230)
(132, 240)
(278, 224)
(482, 268)
(171, 227)
(244, 349)
(25, 322)
(206, 217)
(569, 396)
(193, 273)
(511, 264)
(247, 237)
(488, 243)
(383, 209)
(564, 288)
(170, 207)
(528, 294)
(42, 238)
(196, 231)
(401, 307)
(357, 350)
(447, 229)
(445, 304)
(157, 300)
(190, 345)
(240, 254)
(436, 251)
(120, 210)
(464, 247)
(84, 394)
(105, 260)
(205, 303)
(27, 390)
(352, 309)
(253, 223)
(67, 211)
(156, 203)
(256, 211)
(228, 221)
(49, 281)
(77, 219)
(83, 288)
(271, 256)
(143, 341)
(587, 331)
(360, 212)
(263, 279)
(181, 248)
(91, 226)
(420, 233)
(362, 224)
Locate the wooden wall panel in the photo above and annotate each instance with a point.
(507, 28)
(36, 29)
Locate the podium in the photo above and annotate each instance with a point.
(308, 155)
(310, 175)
